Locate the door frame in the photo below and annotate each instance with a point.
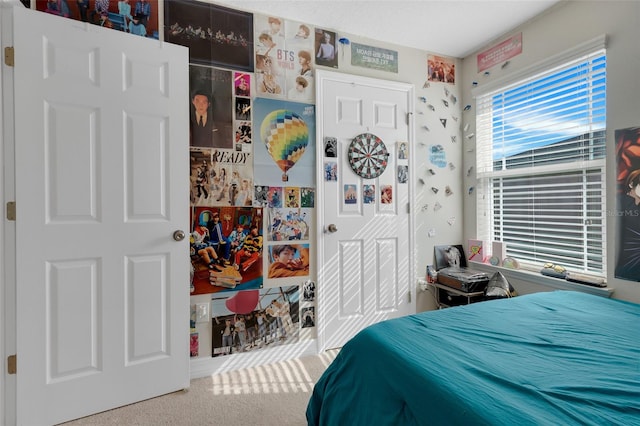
(8, 228)
(323, 76)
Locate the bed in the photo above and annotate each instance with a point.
(554, 358)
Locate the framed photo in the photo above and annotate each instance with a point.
(330, 147)
(325, 48)
(450, 256)
(215, 35)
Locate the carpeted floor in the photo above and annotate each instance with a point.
(273, 394)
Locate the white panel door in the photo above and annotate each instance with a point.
(101, 167)
(366, 254)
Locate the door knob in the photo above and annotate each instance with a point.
(332, 228)
(178, 235)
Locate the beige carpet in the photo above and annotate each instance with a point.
(273, 394)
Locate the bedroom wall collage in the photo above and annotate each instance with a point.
(260, 71)
(253, 161)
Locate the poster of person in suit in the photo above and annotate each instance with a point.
(211, 106)
(628, 204)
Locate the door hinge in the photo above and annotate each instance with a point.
(11, 210)
(12, 364)
(408, 207)
(8, 56)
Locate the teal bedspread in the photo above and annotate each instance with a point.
(557, 358)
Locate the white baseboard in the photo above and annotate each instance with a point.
(203, 367)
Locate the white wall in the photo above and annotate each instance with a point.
(563, 27)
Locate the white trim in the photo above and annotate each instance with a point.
(8, 229)
(561, 58)
(203, 367)
(520, 275)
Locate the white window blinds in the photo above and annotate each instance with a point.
(541, 165)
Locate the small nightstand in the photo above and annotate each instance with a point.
(448, 296)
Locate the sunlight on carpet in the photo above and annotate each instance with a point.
(290, 376)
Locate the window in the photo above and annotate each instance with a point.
(541, 145)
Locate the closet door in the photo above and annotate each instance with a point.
(101, 147)
(366, 243)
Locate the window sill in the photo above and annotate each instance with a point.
(520, 275)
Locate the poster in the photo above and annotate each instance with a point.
(500, 53)
(226, 247)
(437, 156)
(113, 15)
(441, 69)
(288, 260)
(211, 107)
(215, 35)
(247, 321)
(221, 177)
(284, 143)
(628, 204)
(325, 48)
(284, 59)
(374, 57)
(287, 224)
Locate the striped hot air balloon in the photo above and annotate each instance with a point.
(286, 137)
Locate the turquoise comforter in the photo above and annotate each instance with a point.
(558, 358)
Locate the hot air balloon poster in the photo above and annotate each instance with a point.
(284, 143)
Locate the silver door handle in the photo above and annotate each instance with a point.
(332, 228)
(179, 235)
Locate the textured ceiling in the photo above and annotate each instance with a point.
(454, 28)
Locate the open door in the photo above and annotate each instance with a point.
(366, 244)
(101, 151)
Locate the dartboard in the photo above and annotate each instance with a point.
(368, 155)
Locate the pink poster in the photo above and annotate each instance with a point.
(500, 53)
